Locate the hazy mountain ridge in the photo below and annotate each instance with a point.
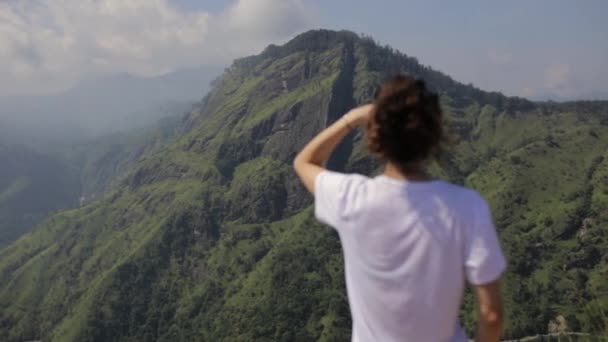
(103, 162)
(92, 132)
(32, 186)
(212, 237)
(103, 105)
(55, 177)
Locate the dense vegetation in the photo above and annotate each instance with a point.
(212, 238)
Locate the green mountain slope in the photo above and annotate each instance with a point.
(212, 238)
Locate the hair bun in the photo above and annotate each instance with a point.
(407, 123)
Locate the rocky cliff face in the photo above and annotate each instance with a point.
(212, 238)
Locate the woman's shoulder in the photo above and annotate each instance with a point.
(461, 193)
(344, 178)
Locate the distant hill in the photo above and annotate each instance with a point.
(103, 161)
(64, 149)
(100, 106)
(32, 186)
(212, 238)
(36, 183)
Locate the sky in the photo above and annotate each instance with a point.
(538, 49)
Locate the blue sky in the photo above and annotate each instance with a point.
(535, 48)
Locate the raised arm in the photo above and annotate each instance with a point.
(309, 162)
(489, 311)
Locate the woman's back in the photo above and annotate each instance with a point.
(409, 248)
(410, 243)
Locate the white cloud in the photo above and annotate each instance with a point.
(46, 45)
(562, 81)
(557, 76)
(528, 92)
(499, 58)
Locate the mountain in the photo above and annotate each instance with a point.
(75, 143)
(212, 238)
(104, 161)
(32, 186)
(37, 182)
(548, 96)
(102, 105)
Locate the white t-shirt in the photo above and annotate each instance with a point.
(409, 248)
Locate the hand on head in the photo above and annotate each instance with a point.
(359, 116)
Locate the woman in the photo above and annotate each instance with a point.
(410, 242)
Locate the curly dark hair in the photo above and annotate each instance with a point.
(406, 127)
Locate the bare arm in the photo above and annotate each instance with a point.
(489, 311)
(309, 162)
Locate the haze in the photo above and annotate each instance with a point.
(91, 67)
